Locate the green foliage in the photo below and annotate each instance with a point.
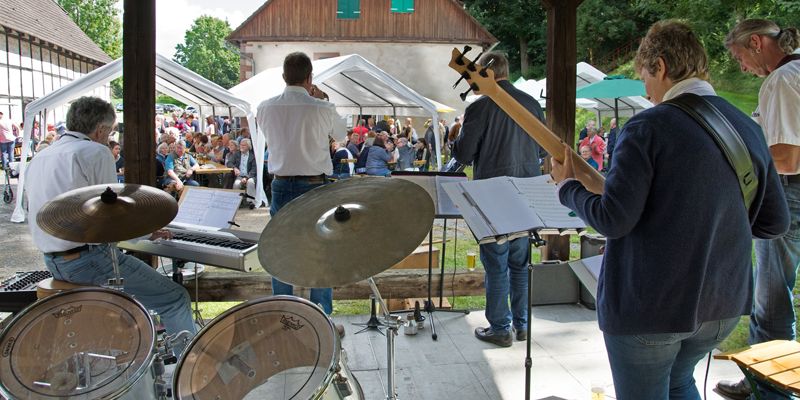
(206, 52)
(516, 24)
(100, 20)
(165, 99)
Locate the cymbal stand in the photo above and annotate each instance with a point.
(115, 283)
(393, 324)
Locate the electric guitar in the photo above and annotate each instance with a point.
(481, 80)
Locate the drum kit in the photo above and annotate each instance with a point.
(101, 343)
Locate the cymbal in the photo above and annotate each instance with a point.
(107, 213)
(346, 231)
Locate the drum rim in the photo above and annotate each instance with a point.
(139, 373)
(330, 369)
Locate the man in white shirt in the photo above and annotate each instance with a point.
(297, 125)
(80, 158)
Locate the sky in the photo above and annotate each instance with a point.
(175, 17)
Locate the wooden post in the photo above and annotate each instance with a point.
(562, 18)
(139, 88)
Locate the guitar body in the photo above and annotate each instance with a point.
(482, 80)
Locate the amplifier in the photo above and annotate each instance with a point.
(19, 291)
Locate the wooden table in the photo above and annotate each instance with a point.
(776, 362)
(216, 169)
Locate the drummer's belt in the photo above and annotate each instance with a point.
(70, 254)
(312, 179)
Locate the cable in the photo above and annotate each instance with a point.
(705, 381)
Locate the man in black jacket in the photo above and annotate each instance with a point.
(244, 170)
(496, 146)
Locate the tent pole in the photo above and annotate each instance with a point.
(616, 109)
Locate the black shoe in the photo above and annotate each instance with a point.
(739, 390)
(521, 335)
(488, 335)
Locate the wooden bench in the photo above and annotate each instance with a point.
(776, 362)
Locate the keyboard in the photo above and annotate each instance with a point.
(19, 291)
(236, 250)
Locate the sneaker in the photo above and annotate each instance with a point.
(488, 335)
(738, 390)
(521, 335)
(340, 330)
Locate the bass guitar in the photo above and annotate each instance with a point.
(481, 81)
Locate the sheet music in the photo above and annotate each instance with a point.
(433, 185)
(510, 206)
(208, 207)
(540, 195)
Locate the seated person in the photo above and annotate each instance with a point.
(586, 154)
(339, 153)
(244, 172)
(423, 156)
(405, 155)
(231, 155)
(217, 149)
(180, 167)
(118, 160)
(161, 157)
(379, 157)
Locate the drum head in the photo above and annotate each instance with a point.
(81, 344)
(280, 347)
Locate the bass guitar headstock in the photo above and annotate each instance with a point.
(480, 78)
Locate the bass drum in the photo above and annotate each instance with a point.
(279, 347)
(82, 344)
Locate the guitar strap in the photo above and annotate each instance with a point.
(726, 137)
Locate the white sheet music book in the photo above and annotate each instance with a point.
(433, 185)
(201, 207)
(510, 207)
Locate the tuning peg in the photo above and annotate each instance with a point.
(472, 87)
(460, 58)
(464, 75)
(471, 65)
(483, 71)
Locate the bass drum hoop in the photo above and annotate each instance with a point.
(143, 369)
(329, 370)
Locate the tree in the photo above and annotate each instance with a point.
(99, 19)
(520, 26)
(206, 52)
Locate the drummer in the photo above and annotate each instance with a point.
(297, 124)
(78, 159)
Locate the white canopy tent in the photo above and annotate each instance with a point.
(355, 85)
(586, 74)
(171, 79)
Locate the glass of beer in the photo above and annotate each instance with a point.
(471, 261)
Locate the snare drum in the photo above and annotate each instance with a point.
(89, 343)
(279, 347)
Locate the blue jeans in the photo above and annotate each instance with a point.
(777, 260)
(661, 366)
(284, 191)
(506, 276)
(6, 153)
(144, 283)
(186, 182)
(379, 172)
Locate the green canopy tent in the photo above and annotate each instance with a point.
(614, 87)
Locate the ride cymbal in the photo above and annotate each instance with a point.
(107, 213)
(346, 231)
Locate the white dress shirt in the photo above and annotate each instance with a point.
(71, 162)
(778, 102)
(297, 127)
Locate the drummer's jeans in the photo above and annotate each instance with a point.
(777, 261)
(156, 292)
(506, 268)
(284, 191)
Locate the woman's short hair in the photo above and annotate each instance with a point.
(788, 39)
(675, 43)
(87, 113)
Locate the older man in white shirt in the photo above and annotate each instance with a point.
(297, 125)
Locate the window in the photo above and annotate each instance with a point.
(402, 6)
(348, 9)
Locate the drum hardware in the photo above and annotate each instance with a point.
(373, 324)
(393, 324)
(411, 327)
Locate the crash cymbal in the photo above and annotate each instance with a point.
(346, 231)
(107, 213)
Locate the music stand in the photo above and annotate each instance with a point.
(444, 210)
